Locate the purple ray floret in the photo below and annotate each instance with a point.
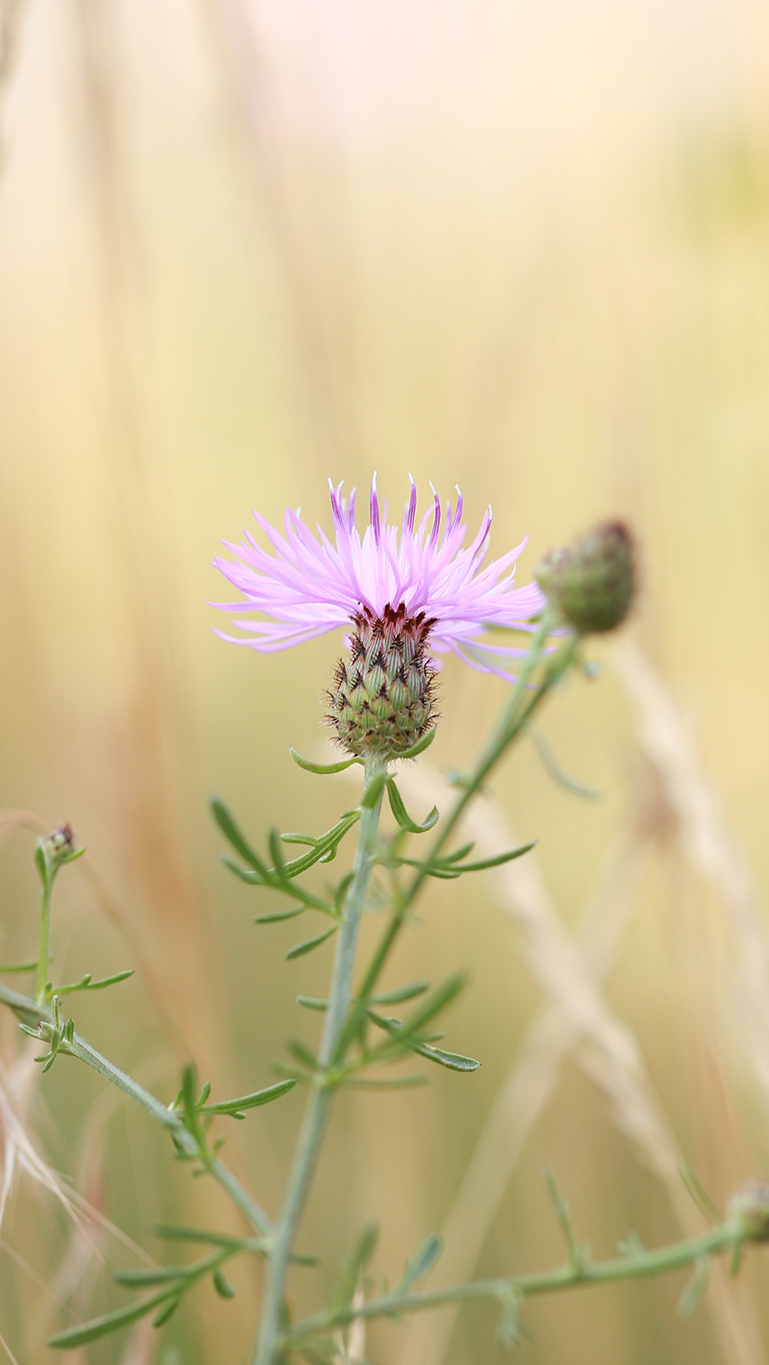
(305, 585)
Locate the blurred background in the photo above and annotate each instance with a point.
(246, 245)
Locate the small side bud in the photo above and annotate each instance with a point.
(592, 583)
(56, 849)
(750, 1208)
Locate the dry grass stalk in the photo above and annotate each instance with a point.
(666, 740)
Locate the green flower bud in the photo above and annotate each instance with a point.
(383, 700)
(593, 582)
(750, 1208)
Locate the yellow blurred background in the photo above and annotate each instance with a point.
(246, 245)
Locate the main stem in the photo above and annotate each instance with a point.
(44, 948)
(319, 1106)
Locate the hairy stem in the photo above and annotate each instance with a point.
(266, 1351)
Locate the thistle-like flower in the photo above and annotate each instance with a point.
(408, 592)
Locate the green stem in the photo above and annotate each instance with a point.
(319, 1105)
(44, 950)
(32, 1013)
(725, 1237)
(520, 707)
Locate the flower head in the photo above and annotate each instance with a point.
(309, 586)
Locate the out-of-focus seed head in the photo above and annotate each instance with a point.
(592, 583)
(750, 1208)
(384, 696)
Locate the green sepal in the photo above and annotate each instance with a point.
(423, 1260)
(109, 1322)
(322, 769)
(299, 949)
(266, 1096)
(401, 814)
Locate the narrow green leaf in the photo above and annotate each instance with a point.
(224, 1289)
(299, 949)
(700, 1195)
(453, 1060)
(245, 874)
(179, 1233)
(110, 980)
(388, 1083)
(276, 853)
(499, 859)
(109, 1322)
(420, 746)
(402, 993)
(273, 916)
(30, 966)
(373, 791)
(510, 1329)
(353, 1267)
(160, 1275)
(401, 814)
(272, 1092)
(458, 853)
(311, 1002)
(166, 1312)
(554, 769)
(420, 1263)
(86, 984)
(439, 1000)
(234, 836)
(695, 1288)
(292, 838)
(302, 1054)
(321, 768)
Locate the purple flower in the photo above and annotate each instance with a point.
(307, 585)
